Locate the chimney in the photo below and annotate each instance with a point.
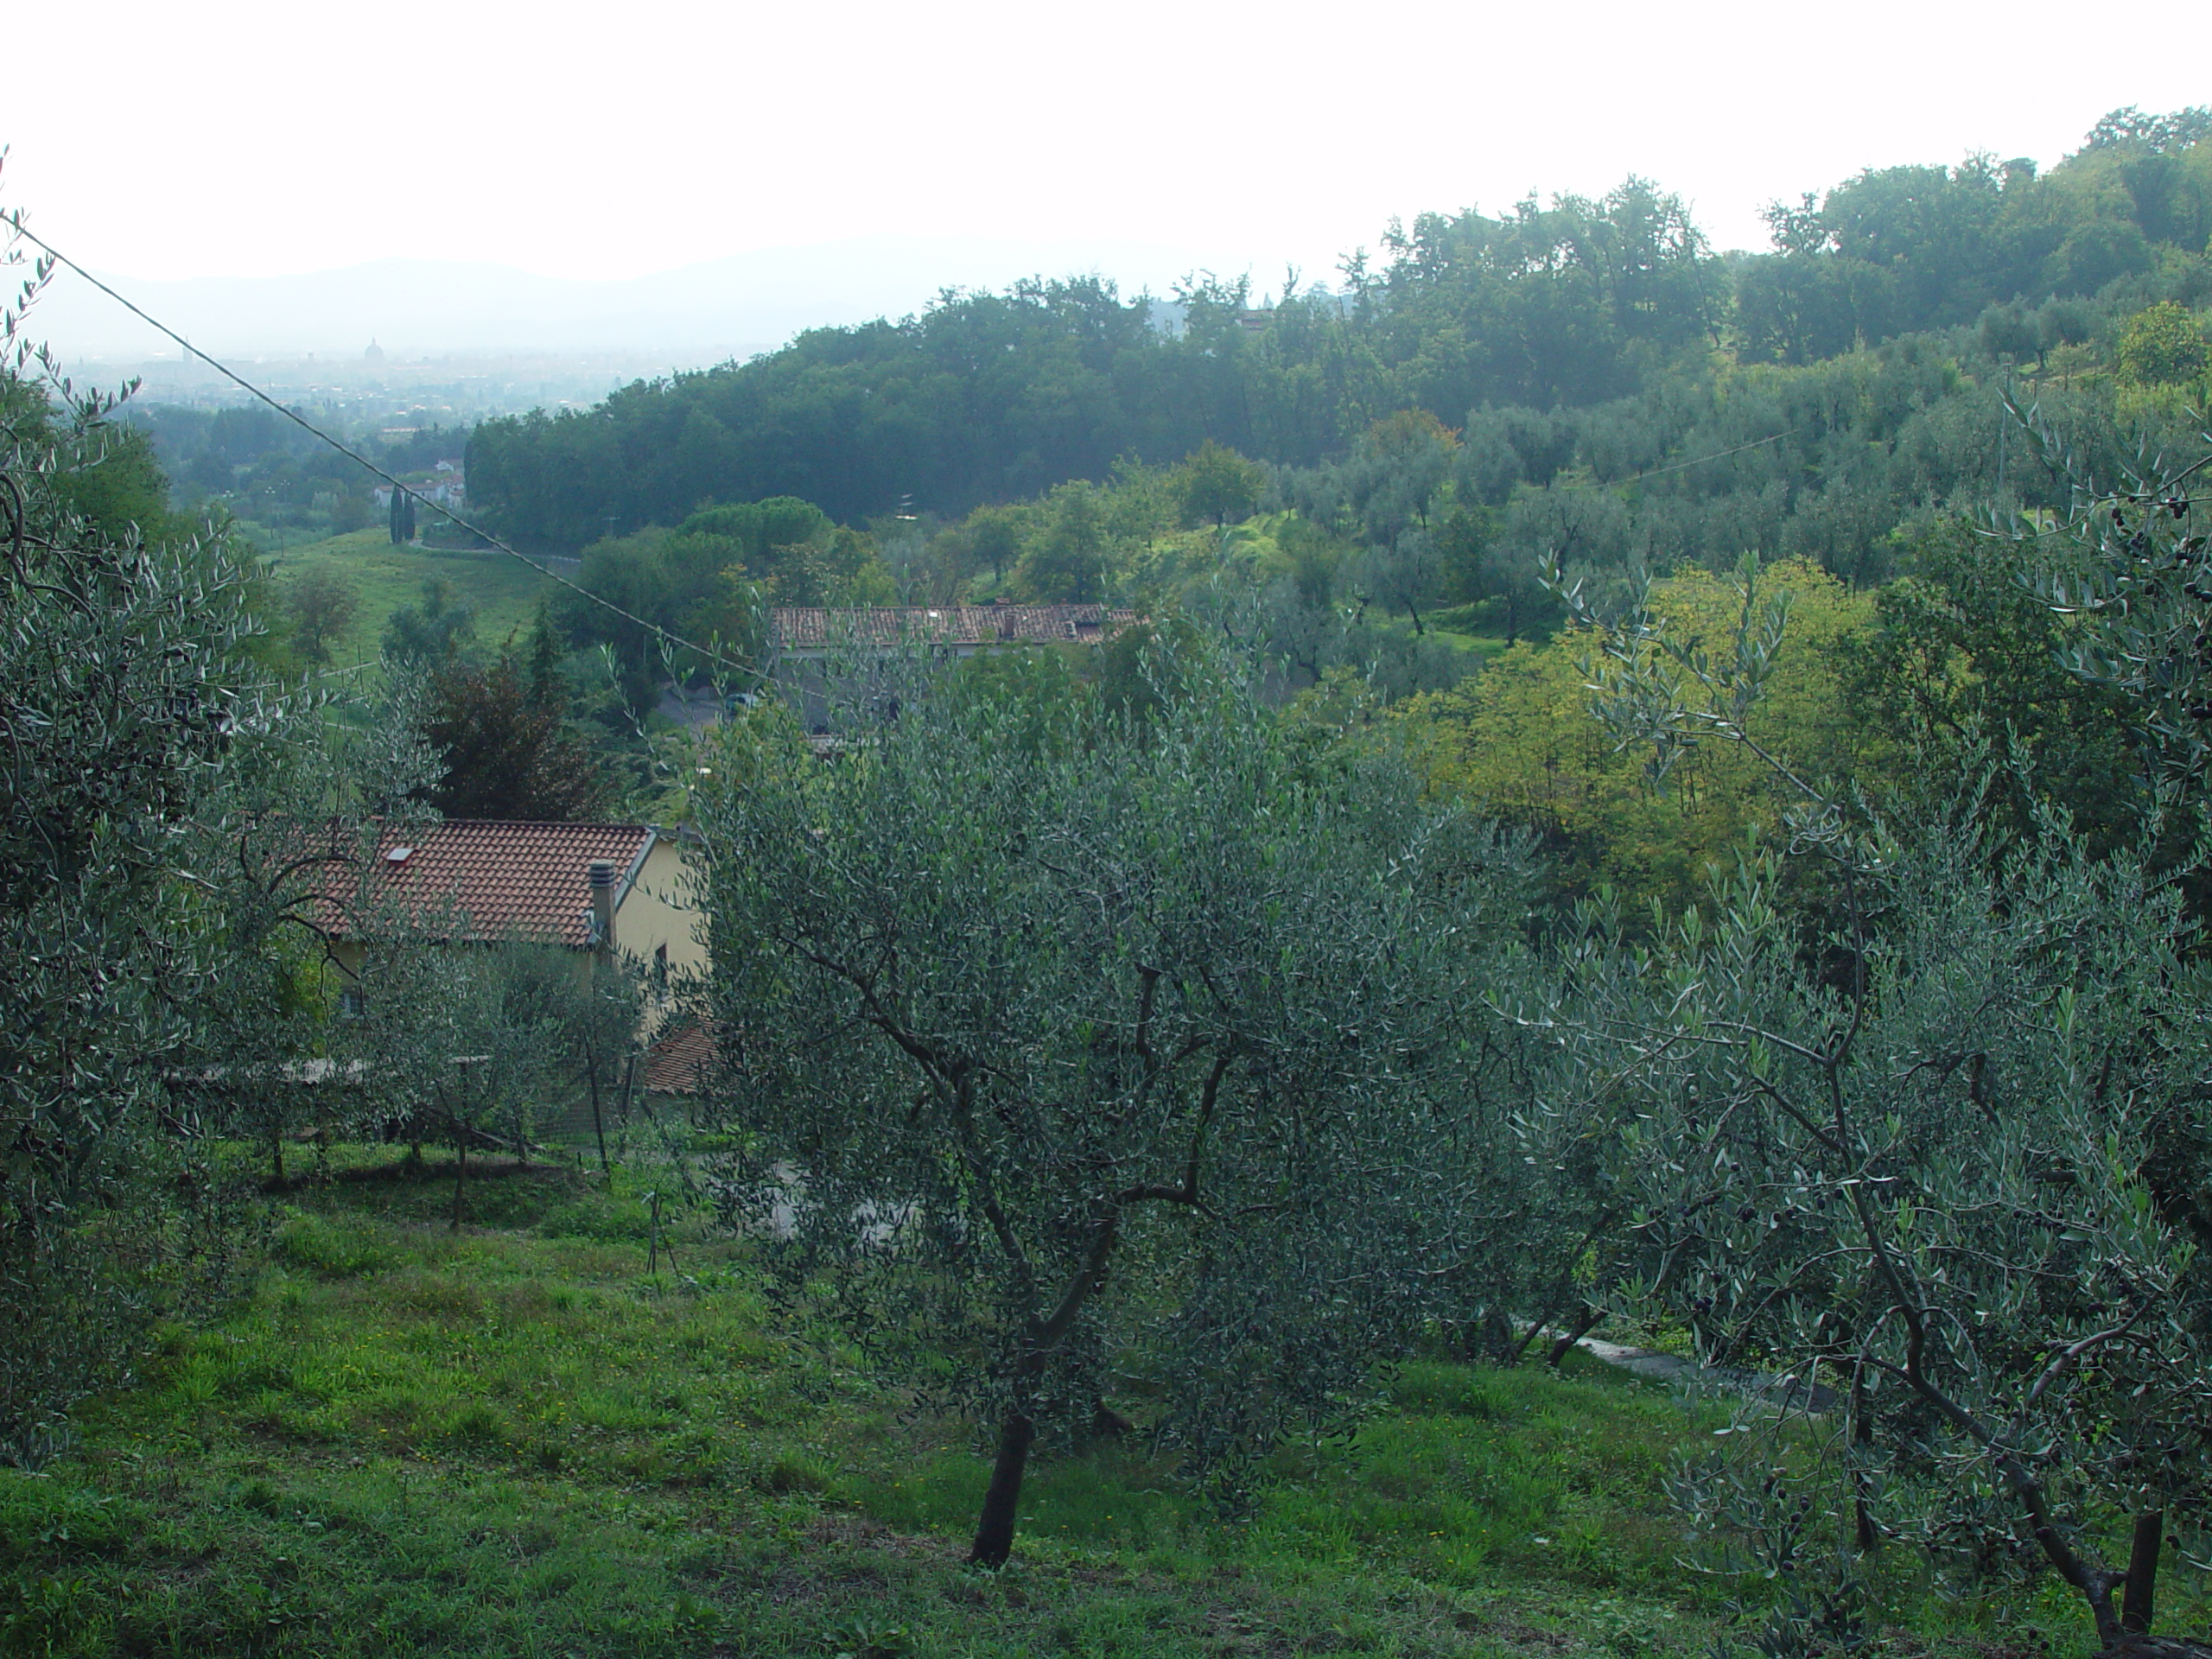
(602, 905)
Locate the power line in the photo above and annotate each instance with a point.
(14, 221)
(1698, 461)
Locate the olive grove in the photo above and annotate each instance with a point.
(1933, 1151)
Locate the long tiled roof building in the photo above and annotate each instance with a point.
(805, 631)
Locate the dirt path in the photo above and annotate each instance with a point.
(1677, 1372)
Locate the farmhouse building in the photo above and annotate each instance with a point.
(959, 630)
(805, 641)
(613, 887)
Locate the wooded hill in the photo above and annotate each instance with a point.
(1606, 335)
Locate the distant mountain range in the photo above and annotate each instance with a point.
(735, 306)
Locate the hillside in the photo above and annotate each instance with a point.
(1193, 1071)
(502, 591)
(1573, 306)
(514, 1439)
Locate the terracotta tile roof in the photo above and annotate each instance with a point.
(506, 878)
(799, 628)
(681, 1059)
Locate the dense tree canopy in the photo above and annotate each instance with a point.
(1519, 739)
(1570, 306)
(501, 737)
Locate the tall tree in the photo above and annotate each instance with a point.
(322, 603)
(502, 739)
(1944, 1158)
(1216, 483)
(1087, 1044)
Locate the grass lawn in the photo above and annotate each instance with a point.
(503, 591)
(510, 1440)
(1481, 646)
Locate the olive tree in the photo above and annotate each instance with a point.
(1079, 1054)
(293, 870)
(2129, 565)
(126, 701)
(268, 1070)
(467, 1040)
(1935, 1154)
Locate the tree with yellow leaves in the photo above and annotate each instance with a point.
(1521, 743)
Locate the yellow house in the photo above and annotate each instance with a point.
(592, 887)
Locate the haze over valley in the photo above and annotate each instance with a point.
(414, 307)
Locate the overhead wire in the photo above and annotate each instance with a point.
(1699, 460)
(14, 221)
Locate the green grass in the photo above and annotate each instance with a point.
(1478, 628)
(510, 1440)
(503, 591)
(1483, 647)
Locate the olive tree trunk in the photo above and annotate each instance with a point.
(995, 1526)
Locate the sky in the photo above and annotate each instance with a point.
(261, 137)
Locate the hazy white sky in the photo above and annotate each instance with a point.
(610, 139)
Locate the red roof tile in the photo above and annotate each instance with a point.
(508, 879)
(681, 1059)
(803, 628)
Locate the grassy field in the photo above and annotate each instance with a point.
(512, 1439)
(503, 591)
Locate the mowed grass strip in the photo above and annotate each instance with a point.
(509, 1439)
